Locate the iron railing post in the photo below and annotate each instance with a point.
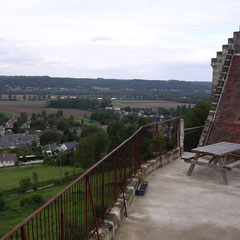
(23, 233)
(103, 190)
(86, 210)
(115, 179)
(120, 173)
(93, 206)
(62, 220)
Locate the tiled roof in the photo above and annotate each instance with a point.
(226, 126)
(8, 157)
(70, 145)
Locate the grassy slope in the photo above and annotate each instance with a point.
(16, 214)
(87, 121)
(8, 114)
(9, 178)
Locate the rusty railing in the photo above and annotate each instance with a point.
(78, 210)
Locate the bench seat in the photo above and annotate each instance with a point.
(188, 156)
(232, 165)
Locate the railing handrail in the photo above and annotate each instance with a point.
(81, 177)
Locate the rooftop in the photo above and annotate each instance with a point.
(178, 207)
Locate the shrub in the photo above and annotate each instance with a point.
(34, 199)
(66, 174)
(24, 184)
(2, 202)
(49, 161)
(35, 178)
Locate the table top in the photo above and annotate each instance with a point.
(218, 149)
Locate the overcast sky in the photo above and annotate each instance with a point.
(146, 39)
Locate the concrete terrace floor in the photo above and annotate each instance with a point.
(178, 207)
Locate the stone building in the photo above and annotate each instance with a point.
(223, 122)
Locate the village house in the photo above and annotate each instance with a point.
(104, 127)
(23, 140)
(9, 124)
(68, 146)
(7, 159)
(50, 149)
(2, 130)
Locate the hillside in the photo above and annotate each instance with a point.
(136, 88)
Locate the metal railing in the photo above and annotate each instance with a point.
(78, 210)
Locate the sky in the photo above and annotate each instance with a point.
(122, 39)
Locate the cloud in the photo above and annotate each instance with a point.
(56, 62)
(4, 65)
(123, 38)
(101, 38)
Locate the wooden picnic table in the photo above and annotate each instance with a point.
(218, 153)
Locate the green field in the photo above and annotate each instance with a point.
(87, 121)
(9, 178)
(147, 104)
(9, 114)
(16, 214)
(23, 102)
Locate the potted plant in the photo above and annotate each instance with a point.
(142, 188)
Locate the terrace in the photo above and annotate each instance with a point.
(184, 208)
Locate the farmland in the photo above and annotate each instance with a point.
(147, 104)
(16, 107)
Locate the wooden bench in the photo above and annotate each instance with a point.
(207, 164)
(188, 156)
(232, 165)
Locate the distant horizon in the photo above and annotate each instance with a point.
(103, 78)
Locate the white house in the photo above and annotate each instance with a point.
(68, 146)
(7, 159)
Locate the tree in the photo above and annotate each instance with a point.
(117, 133)
(24, 184)
(104, 116)
(10, 97)
(15, 127)
(197, 115)
(34, 117)
(49, 136)
(62, 124)
(39, 124)
(23, 118)
(59, 113)
(44, 114)
(106, 102)
(91, 148)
